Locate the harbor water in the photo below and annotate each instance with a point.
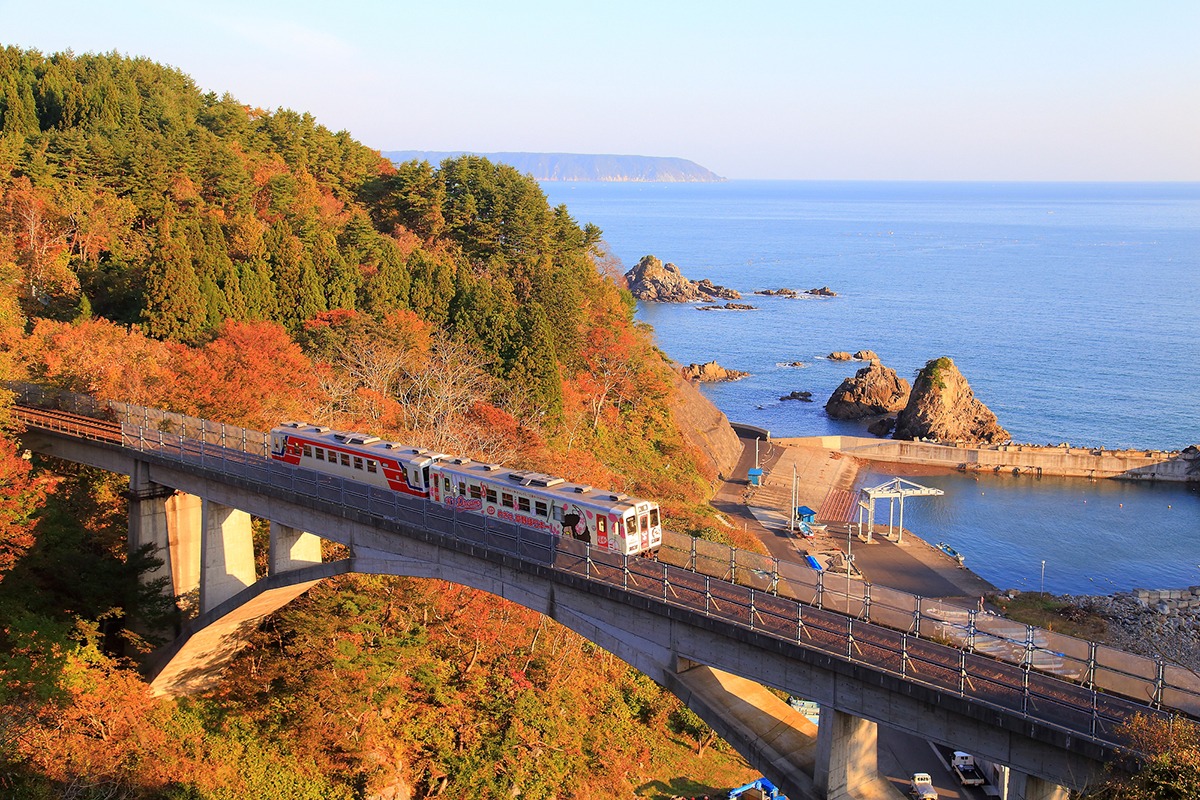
(1072, 309)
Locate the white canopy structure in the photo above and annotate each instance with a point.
(895, 489)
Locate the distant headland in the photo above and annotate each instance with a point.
(578, 166)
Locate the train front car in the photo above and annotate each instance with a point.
(542, 502)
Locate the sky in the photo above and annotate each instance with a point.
(837, 90)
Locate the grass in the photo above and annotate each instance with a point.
(1053, 614)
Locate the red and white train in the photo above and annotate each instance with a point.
(533, 500)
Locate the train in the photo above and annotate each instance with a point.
(602, 518)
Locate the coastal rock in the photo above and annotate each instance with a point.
(727, 307)
(866, 355)
(778, 292)
(793, 364)
(712, 372)
(653, 281)
(839, 355)
(804, 397)
(705, 428)
(824, 291)
(943, 407)
(874, 389)
(882, 427)
(707, 287)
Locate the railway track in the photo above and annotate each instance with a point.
(65, 422)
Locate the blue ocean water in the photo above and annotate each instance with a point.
(1072, 309)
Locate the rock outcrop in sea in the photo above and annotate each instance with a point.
(653, 281)
(874, 390)
(712, 372)
(943, 407)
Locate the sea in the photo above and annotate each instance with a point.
(1073, 309)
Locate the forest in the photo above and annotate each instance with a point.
(174, 248)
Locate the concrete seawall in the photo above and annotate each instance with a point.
(1071, 462)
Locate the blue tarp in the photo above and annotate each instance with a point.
(812, 562)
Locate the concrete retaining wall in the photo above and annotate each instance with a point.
(1072, 462)
(1168, 601)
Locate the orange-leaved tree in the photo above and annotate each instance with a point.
(252, 374)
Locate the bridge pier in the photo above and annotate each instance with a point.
(184, 531)
(1030, 787)
(847, 764)
(292, 549)
(227, 554)
(149, 523)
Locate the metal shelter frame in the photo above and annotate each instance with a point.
(896, 488)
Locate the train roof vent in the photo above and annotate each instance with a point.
(294, 425)
(618, 496)
(356, 438)
(582, 489)
(320, 429)
(459, 461)
(527, 478)
(493, 467)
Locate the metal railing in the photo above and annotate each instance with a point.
(1084, 687)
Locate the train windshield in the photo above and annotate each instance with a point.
(654, 516)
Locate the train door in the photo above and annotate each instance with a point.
(643, 531)
(629, 529)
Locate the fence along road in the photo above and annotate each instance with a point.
(1082, 687)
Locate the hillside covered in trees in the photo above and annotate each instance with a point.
(164, 246)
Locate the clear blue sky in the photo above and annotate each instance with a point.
(937, 89)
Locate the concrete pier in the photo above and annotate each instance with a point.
(847, 765)
(1018, 459)
(227, 549)
(292, 549)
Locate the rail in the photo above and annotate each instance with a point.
(1083, 687)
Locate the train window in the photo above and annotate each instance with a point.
(476, 491)
(345, 460)
(462, 489)
(539, 508)
(491, 494)
(643, 522)
(506, 500)
(358, 462)
(557, 513)
(371, 467)
(523, 504)
(601, 523)
(654, 517)
(307, 451)
(320, 454)
(446, 485)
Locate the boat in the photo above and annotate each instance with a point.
(950, 551)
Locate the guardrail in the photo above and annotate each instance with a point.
(1081, 686)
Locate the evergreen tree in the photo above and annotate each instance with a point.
(175, 309)
(531, 366)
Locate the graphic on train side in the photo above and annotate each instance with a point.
(534, 500)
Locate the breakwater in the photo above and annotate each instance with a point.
(1021, 459)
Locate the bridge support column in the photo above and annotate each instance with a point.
(847, 755)
(292, 549)
(227, 549)
(184, 525)
(149, 523)
(1029, 787)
